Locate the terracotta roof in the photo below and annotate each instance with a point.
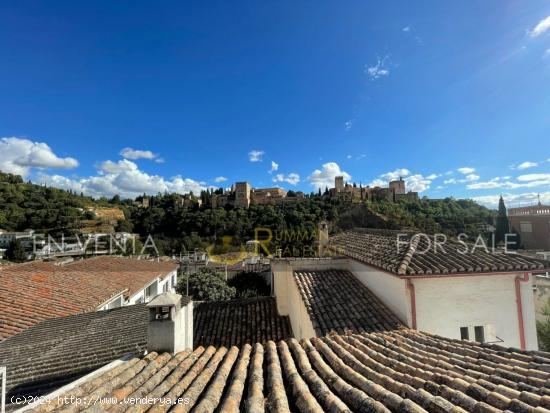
(236, 322)
(337, 301)
(35, 291)
(398, 371)
(57, 350)
(417, 255)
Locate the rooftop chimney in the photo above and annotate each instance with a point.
(170, 323)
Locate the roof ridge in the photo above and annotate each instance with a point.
(404, 265)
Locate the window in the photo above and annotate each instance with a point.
(464, 333)
(479, 333)
(117, 302)
(525, 226)
(151, 291)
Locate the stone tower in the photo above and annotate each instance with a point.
(339, 183)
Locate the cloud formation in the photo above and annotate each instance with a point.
(19, 155)
(133, 154)
(123, 178)
(413, 182)
(291, 178)
(324, 177)
(220, 179)
(274, 167)
(527, 165)
(522, 181)
(255, 155)
(465, 170)
(541, 27)
(378, 70)
(513, 200)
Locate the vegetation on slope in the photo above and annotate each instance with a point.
(291, 226)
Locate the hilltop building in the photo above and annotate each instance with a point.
(394, 192)
(532, 223)
(243, 195)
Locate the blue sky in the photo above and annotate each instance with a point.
(132, 97)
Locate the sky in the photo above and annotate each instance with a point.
(146, 97)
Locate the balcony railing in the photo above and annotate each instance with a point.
(532, 210)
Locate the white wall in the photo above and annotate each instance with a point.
(289, 301)
(443, 305)
(391, 290)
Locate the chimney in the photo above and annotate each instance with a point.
(322, 242)
(170, 323)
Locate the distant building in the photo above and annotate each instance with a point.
(532, 223)
(396, 191)
(243, 195)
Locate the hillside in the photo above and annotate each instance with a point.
(293, 226)
(51, 210)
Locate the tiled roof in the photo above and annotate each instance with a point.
(398, 371)
(57, 350)
(38, 290)
(236, 322)
(337, 301)
(417, 255)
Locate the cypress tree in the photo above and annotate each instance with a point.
(502, 227)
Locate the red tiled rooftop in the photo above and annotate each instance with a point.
(35, 291)
(398, 371)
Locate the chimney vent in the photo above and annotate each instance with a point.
(170, 323)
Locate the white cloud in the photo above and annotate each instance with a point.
(541, 27)
(123, 178)
(524, 181)
(324, 177)
(534, 177)
(513, 200)
(349, 157)
(527, 165)
(546, 54)
(110, 167)
(378, 70)
(450, 181)
(19, 155)
(413, 182)
(470, 178)
(291, 178)
(348, 125)
(465, 170)
(255, 155)
(406, 29)
(134, 154)
(274, 167)
(220, 179)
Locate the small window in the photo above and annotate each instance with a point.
(479, 332)
(525, 226)
(464, 333)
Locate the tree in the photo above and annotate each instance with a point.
(15, 252)
(543, 329)
(206, 285)
(502, 227)
(249, 285)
